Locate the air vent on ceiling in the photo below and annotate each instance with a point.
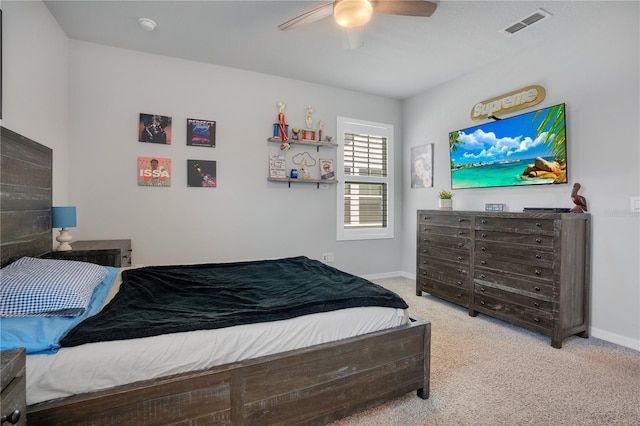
(536, 17)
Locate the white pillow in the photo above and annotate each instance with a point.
(47, 287)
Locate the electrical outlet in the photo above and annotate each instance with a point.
(325, 257)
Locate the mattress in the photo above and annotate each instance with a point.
(101, 365)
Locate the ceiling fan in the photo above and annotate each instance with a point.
(354, 14)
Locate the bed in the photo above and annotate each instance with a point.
(306, 385)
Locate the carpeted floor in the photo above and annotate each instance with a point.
(487, 372)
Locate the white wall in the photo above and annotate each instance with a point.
(35, 86)
(245, 217)
(596, 74)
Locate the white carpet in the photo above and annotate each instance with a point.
(487, 372)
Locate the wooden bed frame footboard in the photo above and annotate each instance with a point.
(314, 385)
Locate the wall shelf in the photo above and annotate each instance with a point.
(306, 143)
(316, 181)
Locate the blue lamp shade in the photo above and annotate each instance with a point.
(64, 217)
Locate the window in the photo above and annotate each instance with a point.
(364, 170)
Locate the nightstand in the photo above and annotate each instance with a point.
(116, 253)
(13, 399)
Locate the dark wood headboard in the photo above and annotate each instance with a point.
(25, 197)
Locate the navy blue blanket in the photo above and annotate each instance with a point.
(171, 299)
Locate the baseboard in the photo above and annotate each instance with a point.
(615, 338)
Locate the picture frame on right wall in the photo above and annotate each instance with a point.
(422, 166)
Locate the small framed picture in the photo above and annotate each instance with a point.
(154, 128)
(201, 132)
(422, 166)
(326, 169)
(201, 174)
(154, 171)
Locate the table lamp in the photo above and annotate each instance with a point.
(64, 217)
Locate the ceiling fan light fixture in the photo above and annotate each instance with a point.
(352, 13)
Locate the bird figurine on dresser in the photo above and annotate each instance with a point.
(579, 201)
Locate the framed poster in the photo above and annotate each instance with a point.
(201, 132)
(277, 166)
(201, 174)
(154, 128)
(154, 171)
(326, 169)
(422, 166)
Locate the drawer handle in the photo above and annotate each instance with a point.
(482, 289)
(460, 245)
(538, 224)
(424, 262)
(484, 235)
(537, 272)
(536, 288)
(459, 283)
(460, 219)
(426, 229)
(482, 276)
(459, 295)
(538, 256)
(536, 304)
(459, 270)
(484, 221)
(460, 232)
(459, 257)
(425, 241)
(482, 302)
(483, 262)
(536, 319)
(483, 248)
(538, 240)
(12, 418)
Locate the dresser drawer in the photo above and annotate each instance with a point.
(446, 254)
(436, 240)
(13, 393)
(452, 273)
(13, 398)
(488, 251)
(445, 231)
(515, 225)
(456, 294)
(544, 306)
(514, 313)
(535, 240)
(538, 289)
(454, 220)
(509, 265)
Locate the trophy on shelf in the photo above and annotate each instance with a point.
(308, 134)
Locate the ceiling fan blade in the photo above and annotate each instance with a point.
(308, 17)
(406, 7)
(353, 38)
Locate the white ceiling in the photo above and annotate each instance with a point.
(402, 56)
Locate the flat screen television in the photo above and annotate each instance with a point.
(526, 149)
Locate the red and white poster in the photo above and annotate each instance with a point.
(154, 171)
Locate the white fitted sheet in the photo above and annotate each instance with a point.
(103, 365)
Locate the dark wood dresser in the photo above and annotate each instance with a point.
(116, 253)
(13, 399)
(529, 269)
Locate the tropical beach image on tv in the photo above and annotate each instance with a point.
(527, 149)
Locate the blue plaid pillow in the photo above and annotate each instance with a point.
(47, 287)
